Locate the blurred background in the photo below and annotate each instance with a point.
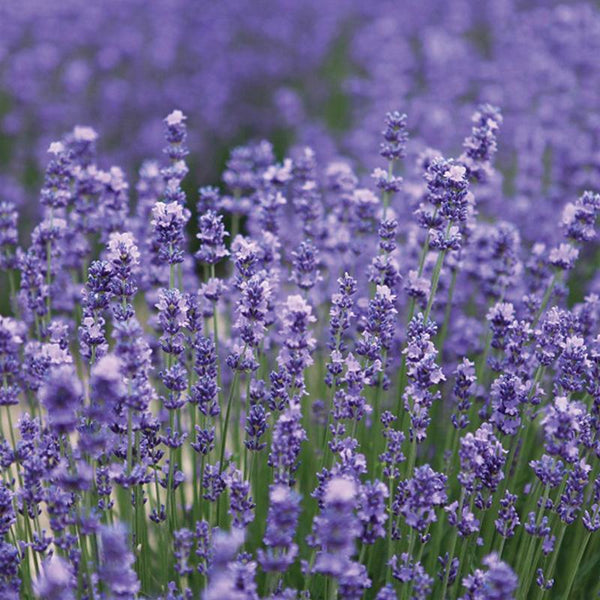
(317, 72)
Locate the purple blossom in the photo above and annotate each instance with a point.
(288, 435)
(282, 520)
(417, 498)
(371, 511)
(462, 390)
(423, 373)
(482, 460)
(211, 233)
(256, 427)
(56, 581)
(168, 223)
(305, 271)
(508, 518)
(480, 147)
(563, 256)
(336, 528)
(395, 136)
(413, 572)
(579, 217)
(508, 395)
(241, 506)
(498, 582)
(116, 569)
(562, 428)
(296, 353)
(62, 397)
(8, 234)
(571, 500)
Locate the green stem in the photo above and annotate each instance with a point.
(528, 567)
(452, 547)
(573, 571)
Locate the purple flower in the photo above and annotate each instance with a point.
(579, 217)
(563, 256)
(8, 234)
(211, 233)
(508, 518)
(380, 325)
(7, 513)
(203, 536)
(221, 580)
(56, 192)
(298, 343)
(205, 389)
(175, 134)
(462, 390)
(62, 397)
(562, 428)
(371, 511)
(305, 271)
(573, 364)
(480, 147)
(335, 529)
(172, 318)
(209, 199)
(183, 540)
(246, 255)
(423, 373)
(393, 455)
(417, 498)
(116, 566)
(497, 583)
(282, 520)
(571, 501)
(387, 592)
(409, 571)
(482, 460)
(11, 340)
(340, 316)
(56, 581)
(549, 470)
(395, 136)
(508, 395)
(10, 583)
(447, 186)
(123, 256)
(252, 309)
(241, 506)
(354, 582)
(168, 224)
(256, 427)
(288, 435)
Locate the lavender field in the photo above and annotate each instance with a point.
(299, 300)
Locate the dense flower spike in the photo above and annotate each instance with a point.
(282, 520)
(395, 135)
(335, 529)
(211, 233)
(498, 582)
(116, 567)
(417, 498)
(168, 223)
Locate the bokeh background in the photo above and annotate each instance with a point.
(318, 72)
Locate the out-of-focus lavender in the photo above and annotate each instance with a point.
(535, 59)
(113, 64)
(312, 72)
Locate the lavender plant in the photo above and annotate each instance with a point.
(314, 398)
